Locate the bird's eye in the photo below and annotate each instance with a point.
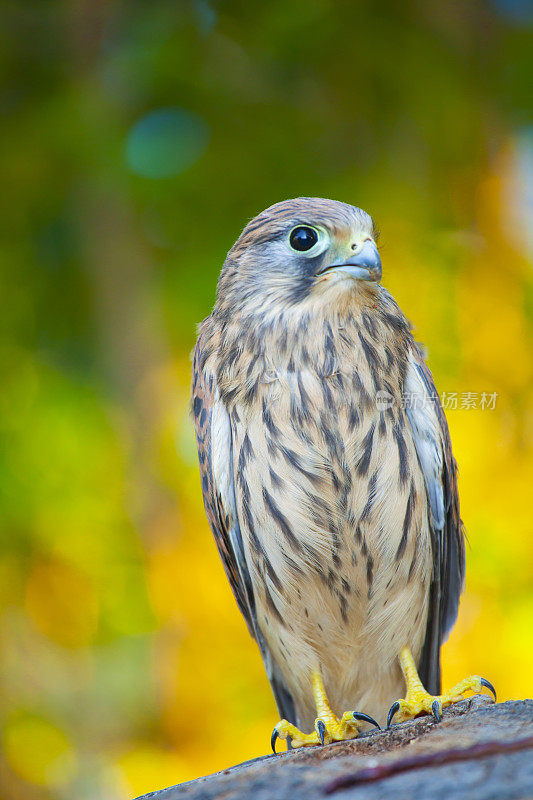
(303, 238)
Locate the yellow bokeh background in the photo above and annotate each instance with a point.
(139, 139)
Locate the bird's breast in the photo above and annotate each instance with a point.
(331, 499)
(333, 510)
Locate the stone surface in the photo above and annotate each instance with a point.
(497, 740)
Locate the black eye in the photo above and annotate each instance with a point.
(303, 238)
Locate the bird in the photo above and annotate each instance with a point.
(327, 475)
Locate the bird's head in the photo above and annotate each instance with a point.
(306, 252)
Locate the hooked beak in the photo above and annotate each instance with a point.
(364, 265)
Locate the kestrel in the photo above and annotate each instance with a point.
(327, 474)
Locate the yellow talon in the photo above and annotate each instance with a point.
(286, 730)
(328, 727)
(417, 700)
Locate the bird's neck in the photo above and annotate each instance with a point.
(250, 351)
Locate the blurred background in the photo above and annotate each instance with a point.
(137, 139)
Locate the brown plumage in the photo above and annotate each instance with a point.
(333, 503)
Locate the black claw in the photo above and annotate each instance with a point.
(273, 738)
(365, 718)
(436, 710)
(321, 730)
(395, 707)
(489, 686)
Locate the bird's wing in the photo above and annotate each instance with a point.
(433, 446)
(215, 454)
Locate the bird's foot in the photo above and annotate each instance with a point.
(418, 701)
(330, 729)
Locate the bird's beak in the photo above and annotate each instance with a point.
(364, 265)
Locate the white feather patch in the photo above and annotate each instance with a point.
(221, 452)
(420, 410)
